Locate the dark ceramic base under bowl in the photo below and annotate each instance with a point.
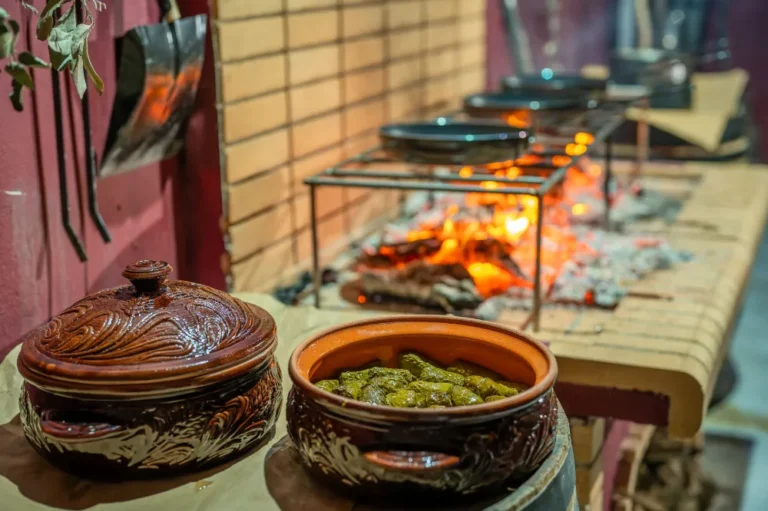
(491, 453)
(115, 439)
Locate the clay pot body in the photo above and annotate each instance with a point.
(383, 451)
(149, 380)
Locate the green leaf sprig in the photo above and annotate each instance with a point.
(67, 46)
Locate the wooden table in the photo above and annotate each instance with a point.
(654, 359)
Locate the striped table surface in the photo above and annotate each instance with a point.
(669, 338)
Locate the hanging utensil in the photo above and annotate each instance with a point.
(62, 164)
(517, 37)
(672, 28)
(552, 46)
(90, 154)
(158, 78)
(625, 25)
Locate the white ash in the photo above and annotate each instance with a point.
(603, 273)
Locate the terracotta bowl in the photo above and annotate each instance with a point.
(378, 450)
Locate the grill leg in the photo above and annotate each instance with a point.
(537, 277)
(316, 275)
(607, 181)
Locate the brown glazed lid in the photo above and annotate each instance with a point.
(148, 339)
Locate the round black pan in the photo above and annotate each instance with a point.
(563, 83)
(452, 143)
(498, 104)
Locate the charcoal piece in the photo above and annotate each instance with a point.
(329, 276)
(289, 294)
(405, 252)
(447, 287)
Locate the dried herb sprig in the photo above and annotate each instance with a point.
(67, 40)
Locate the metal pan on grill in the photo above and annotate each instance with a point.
(563, 84)
(452, 143)
(524, 109)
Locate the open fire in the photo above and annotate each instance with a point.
(516, 234)
(492, 236)
(458, 251)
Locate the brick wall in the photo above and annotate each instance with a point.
(303, 84)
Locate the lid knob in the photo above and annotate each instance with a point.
(147, 276)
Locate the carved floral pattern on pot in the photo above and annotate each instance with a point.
(491, 453)
(189, 432)
(120, 326)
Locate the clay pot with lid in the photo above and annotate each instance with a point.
(383, 451)
(149, 379)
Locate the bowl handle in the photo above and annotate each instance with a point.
(62, 430)
(414, 461)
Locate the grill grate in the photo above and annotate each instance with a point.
(373, 169)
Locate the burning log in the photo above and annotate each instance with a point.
(404, 252)
(448, 287)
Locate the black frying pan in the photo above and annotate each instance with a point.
(452, 143)
(545, 106)
(560, 83)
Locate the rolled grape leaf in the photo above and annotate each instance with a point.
(328, 385)
(350, 389)
(462, 396)
(469, 369)
(414, 363)
(437, 398)
(406, 399)
(373, 395)
(436, 374)
(485, 387)
(429, 386)
(491, 399)
(350, 376)
(388, 383)
(388, 372)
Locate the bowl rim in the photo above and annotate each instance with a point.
(520, 400)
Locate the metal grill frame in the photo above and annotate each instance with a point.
(538, 187)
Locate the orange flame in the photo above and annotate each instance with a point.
(483, 245)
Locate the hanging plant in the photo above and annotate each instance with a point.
(67, 40)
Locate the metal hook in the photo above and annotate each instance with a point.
(62, 164)
(90, 155)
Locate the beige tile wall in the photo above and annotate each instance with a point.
(303, 84)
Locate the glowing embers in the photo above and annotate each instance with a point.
(493, 235)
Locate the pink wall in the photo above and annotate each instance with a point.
(144, 209)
